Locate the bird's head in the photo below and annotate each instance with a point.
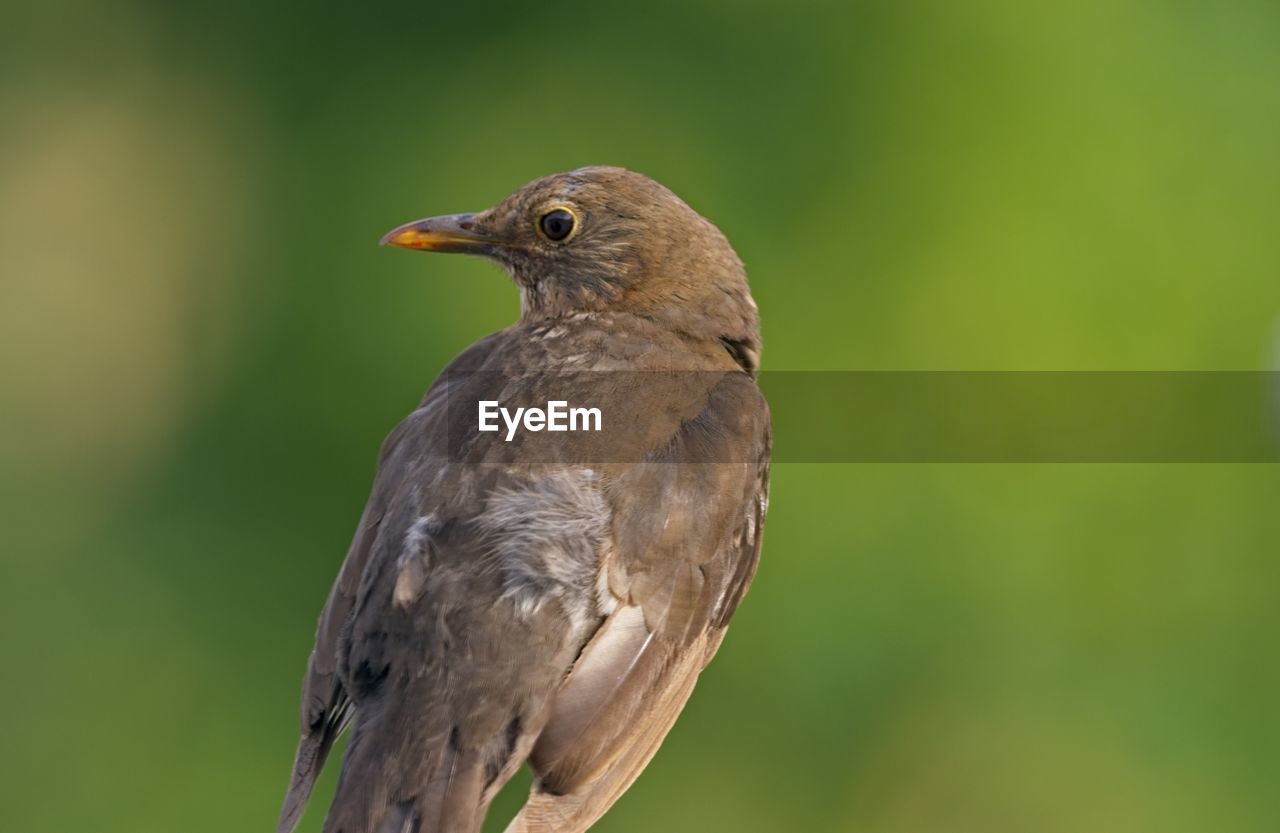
(606, 239)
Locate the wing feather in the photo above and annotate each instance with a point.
(685, 544)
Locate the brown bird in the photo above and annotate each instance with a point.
(511, 596)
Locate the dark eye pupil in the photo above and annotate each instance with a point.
(557, 224)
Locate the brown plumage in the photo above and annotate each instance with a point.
(535, 600)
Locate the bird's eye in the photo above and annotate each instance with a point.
(557, 224)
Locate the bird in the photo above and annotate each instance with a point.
(507, 602)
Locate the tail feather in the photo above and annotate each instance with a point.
(313, 750)
(452, 799)
(403, 818)
(408, 789)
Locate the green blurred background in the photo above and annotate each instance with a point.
(201, 348)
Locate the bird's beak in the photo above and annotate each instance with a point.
(451, 233)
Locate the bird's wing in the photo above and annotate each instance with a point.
(326, 705)
(685, 542)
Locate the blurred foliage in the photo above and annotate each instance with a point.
(201, 348)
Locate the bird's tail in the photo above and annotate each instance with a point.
(437, 789)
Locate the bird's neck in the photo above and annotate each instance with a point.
(727, 328)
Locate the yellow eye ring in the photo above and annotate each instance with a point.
(558, 224)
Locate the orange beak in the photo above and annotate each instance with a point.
(450, 233)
